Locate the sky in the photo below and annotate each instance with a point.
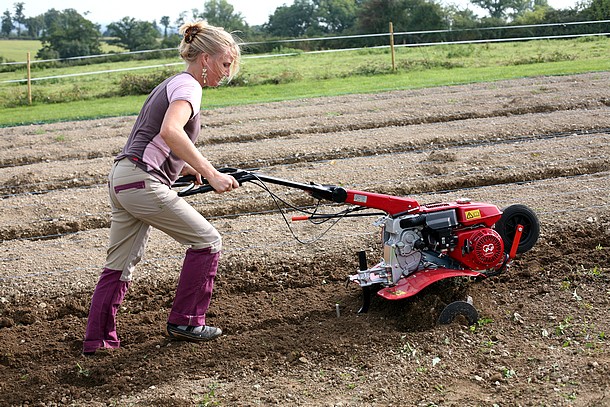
(255, 12)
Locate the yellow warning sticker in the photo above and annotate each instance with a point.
(473, 214)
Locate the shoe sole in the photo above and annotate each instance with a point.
(188, 336)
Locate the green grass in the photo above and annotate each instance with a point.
(309, 75)
(230, 96)
(17, 50)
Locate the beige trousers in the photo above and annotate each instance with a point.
(140, 201)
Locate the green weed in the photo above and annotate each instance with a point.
(209, 399)
(82, 371)
(563, 326)
(481, 323)
(508, 373)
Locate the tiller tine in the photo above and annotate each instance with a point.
(367, 293)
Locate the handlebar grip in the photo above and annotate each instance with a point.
(184, 180)
(198, 190)
(189, 179)
(300, 217)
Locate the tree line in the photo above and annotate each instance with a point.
(67, 33)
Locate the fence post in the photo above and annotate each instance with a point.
(392, 46)
(29, 81)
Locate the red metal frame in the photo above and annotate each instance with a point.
(516, 240)
(390, 204)
(414, 283)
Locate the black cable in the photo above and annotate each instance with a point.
(276, 200)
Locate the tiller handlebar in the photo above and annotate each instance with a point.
(326, 192)
(392, 205)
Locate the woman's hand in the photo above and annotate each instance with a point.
(222, 182)
(219, 181)
(188, 170)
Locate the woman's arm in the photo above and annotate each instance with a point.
(172, 132)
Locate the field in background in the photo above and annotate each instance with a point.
(17, 50)
(301, 75)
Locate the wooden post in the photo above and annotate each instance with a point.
(392, 46)
(29, 81)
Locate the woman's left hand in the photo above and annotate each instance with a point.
(188, 170)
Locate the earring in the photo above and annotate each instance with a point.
(204, 75)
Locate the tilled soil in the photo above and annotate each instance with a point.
(292, 335)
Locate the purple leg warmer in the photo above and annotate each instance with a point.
(195, 286)
(101, 325)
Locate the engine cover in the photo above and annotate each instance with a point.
(407, 256)
(479, 249)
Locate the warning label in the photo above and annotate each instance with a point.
(473, 214)
(360, 198)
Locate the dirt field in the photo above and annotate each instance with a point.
(542, 338)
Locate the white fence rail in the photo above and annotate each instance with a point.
(419, 44)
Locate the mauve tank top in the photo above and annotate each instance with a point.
(145, 147)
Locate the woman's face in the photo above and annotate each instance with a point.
(218, 67)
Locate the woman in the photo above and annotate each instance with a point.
(160, 148)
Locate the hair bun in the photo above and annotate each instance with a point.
(190, 33)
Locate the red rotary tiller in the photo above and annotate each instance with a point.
(422, 244)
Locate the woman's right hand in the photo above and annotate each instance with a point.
(222, 182)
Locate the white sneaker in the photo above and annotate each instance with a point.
(193, 333)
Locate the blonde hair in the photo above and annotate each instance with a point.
(199, 37)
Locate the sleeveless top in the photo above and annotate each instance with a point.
(145, 147)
